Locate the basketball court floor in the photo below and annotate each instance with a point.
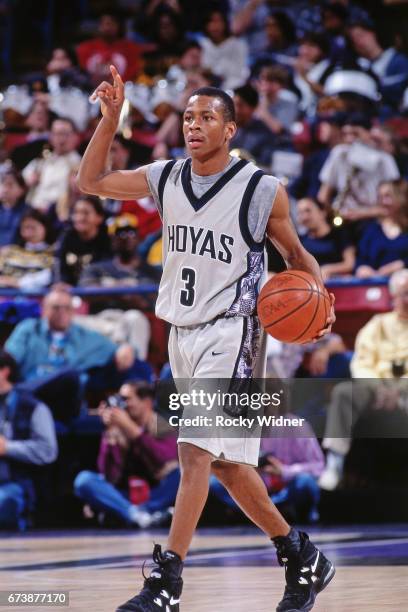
(228, 570)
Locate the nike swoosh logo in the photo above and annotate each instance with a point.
(315, 563)
(214, 354)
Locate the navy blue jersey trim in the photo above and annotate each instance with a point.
(239, 283)
(163, 179)
(244, 211)
(239, 287)
(198, 203)
(244, 333)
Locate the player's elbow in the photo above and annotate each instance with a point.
(84, 184)
(81, 183)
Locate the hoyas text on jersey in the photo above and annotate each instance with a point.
(200, 241)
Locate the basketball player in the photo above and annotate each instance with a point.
(216, 211)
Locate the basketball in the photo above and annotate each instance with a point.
(293, 306)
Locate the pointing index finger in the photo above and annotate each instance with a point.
(117, 79)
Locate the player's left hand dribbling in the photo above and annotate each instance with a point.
(329, 322)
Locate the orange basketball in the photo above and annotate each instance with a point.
(293, 306)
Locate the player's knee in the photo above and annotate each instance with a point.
(224, 471)
(192, 458)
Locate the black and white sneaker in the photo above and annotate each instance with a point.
(307, 571)
(162, 589)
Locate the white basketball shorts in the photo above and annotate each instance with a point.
(218, 354)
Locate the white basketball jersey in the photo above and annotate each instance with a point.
(211, 264)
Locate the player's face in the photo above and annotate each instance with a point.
(204, 127)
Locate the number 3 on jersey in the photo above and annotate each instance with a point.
(187, 295)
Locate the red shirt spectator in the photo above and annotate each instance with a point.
(146, 213)
(109, 47)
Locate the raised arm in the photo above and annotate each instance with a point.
(93, 175)
(281, 232)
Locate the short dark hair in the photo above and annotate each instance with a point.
(187, 45)
(318, 39)
(217, 10)
(248, 94)
(40, 217)
(359, 120)
(16, 176)
(336, 8)
(7, 361)
(66, 120)
(227, 102)
(285, 24)
(274, 72)
(141, 388)
(94, 201)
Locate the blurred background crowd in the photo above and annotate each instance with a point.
(320, 89)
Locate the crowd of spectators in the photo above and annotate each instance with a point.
(321, 97)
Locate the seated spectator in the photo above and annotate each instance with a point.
(165, 29)
(27, 443)
(126, 154)
(170, 133)
(122, 156)
(353, 171)
(12, 205)
(252, 134)
(62, 71)
(109, 47)
(191, 59)
(280, 44)
(321, 359)
(47, 176)
(126, 268)
(328, 135)
(381, 352)
(334, 16)
(310, 64)
(119, 316)
(86, 242)
(60, 212)
(135, 444)
(145, 211)
(142, 123)
(391, 139)
(54, 348)
(290, 466)
(225, 55)
(390, 66)
(28, 264)
(61, 59)
(248, 21)
(278, 107)
(38, 123)
(383, 246)
(330, 245)
(248, 18)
